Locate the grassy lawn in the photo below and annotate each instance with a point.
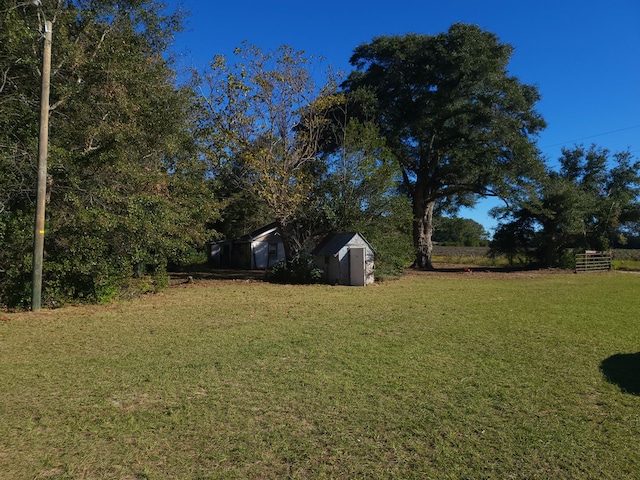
(441, 376)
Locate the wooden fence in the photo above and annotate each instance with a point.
(592, 261)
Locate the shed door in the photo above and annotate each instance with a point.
(356, 267)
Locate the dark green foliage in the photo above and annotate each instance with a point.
(359, 193)
(242, 211)
(300, 270)
(390, 236)
(516, 240)
(361, 181)
(126, 190)
(459, 231)
(16, 233)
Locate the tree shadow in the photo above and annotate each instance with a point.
(623, 370)
(216, 274)
(454, 268)
(479, 269)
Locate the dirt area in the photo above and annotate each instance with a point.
(494, 272)
(185, 279)
(181, 279)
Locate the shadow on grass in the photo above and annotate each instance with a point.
(218, 274)
(449, 268)
(623, 370)
(443, 267)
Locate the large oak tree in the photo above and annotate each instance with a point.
(457, 122)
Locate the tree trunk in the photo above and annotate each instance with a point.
(286, 241)
(422, 232)
(550, 254)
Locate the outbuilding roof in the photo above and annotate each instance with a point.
(260, 232)
(334, 242)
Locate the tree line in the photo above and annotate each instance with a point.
(145, 169)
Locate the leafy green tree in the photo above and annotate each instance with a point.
(360, 192)
(391, 236)
(242, 211)
(460, 231)
(458, 124)
(629, 235)
(517, 240)
(585, 204)
(263, 119)
(361, 177)
(127, 191)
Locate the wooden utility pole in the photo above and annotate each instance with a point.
(43, 141)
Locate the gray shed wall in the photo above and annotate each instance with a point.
(337, 266)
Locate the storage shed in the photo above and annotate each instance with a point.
(258, 250)
(346, 258)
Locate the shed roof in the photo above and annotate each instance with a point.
(260, 232)
(332, 243)
(272, 228)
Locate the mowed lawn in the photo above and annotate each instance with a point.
(443, 376)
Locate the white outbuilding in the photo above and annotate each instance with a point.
(346, 258)
(258, 250)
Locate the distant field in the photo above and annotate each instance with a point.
(449, 254)
(442, 375)
(619, 253)
(623, 259)
(471, 252)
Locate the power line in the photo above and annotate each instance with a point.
(592, 136)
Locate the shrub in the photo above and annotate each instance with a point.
(300, 270)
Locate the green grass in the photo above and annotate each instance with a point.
(439, 376)
(626, 265)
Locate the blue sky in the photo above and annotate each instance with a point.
(583, 55)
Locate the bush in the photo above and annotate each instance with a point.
(301, 270)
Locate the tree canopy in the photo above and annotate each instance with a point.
(460, 231)
(262, 121)
(586, 203)
(458, 124)
(126, 191)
